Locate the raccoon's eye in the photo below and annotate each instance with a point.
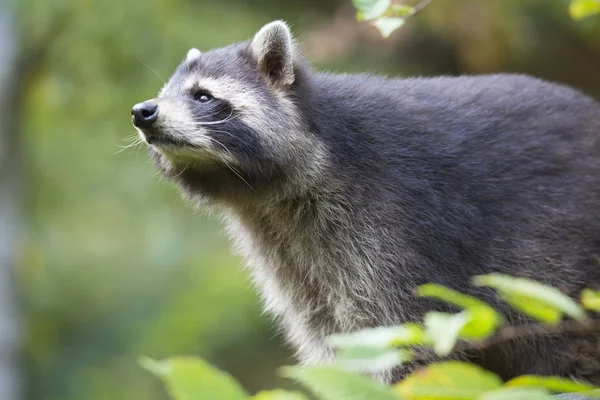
(202, 96)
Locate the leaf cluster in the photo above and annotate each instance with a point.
(365, 353)
(387, 17)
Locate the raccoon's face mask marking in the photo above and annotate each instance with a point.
(178, 124)
(229, 109)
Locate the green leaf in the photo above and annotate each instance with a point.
(484, 319)
(364, 5)
(535, 309)
(590, 299)
(335, 384)
(400, 10)
(387, 25)
(381, 337)
(370, 9)
(483, 323)
(278, 395)
(448, 380)
(579, 9)
(555, 384)
(521, 393)
(188, 378)
(443, 329)
(371, 359)
(450, 296)
(541, 302)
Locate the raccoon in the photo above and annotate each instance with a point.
(345, 192)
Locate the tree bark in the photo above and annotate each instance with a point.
(10, 377)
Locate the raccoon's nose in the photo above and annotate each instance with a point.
(144, 114)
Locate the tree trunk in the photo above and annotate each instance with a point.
(10, 378)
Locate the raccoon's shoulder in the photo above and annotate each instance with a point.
(445, 100)
(499, 87)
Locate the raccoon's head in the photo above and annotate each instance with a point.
(229, 123)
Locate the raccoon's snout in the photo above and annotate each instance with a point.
(144, 114)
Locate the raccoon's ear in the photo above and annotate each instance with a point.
(273, 50)
(193, 54)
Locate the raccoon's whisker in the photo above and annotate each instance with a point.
(235, 171)
(182, 171)
(222, 145)
(135, 141)
(129, 146)
(220, 131)
(213, 113)
(228, 118)
(213, 122)
(137, 151)
(160, 177)
(217, 111)
(153, 70)
(130, 135)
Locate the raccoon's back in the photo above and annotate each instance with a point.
(490, 137)
(453, 112)
(498, 172)
(472, 175)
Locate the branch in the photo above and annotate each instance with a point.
(419, 7)
(507, 333)
(529, 330)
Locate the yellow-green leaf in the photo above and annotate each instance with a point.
(555, 384)
(579, 9)
(401, 10)
(590, 299)
(517, 393)
(371, 359)
(278, 395)
(188, 378)
(443, 329)
(387, 25)
(449, 380)
(483, 323)
(448, 295)
(483, 318)
(534, 308)
(370, 9)
(539, 301)
(335, 384)
(380, 337)
(364, 5)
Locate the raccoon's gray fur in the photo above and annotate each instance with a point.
(345, 192)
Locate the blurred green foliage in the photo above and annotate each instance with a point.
(112, 264)
(192, 378)
(387, 17)
(580, 9)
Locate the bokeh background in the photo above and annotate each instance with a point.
(107, 263)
